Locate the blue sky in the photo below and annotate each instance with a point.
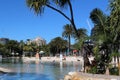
(18, 22)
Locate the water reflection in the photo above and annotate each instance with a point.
(61, 66)
(36, 70)
(24, 76)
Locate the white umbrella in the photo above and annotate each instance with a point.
(41, 52)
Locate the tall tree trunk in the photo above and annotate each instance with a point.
(72, 19)
(118, 60)
(69, 19)
(69, 44)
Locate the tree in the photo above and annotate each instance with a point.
(57, 45)
(13, 46)
(115, 21)
(39, 5)
(115, 26)
(46, 50)
(82, 33)
(68, 33)
(115, 18)
(82, 37)
(100, 35)
(21, 45)
(99, 19)
(3, 51)
(28, 49)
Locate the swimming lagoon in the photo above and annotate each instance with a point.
(33, 70)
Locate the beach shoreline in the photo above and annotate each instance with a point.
(57, 59)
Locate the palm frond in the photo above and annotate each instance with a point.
(61, 3)
(37, 5)
(68, 31)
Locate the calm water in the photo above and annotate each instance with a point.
(37, 70)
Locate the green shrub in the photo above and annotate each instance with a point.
(93, 70)
(114, 71)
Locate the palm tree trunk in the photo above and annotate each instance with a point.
(69, 44)
(51, 7)
(118, 60)
(72, 19)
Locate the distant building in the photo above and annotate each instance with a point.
(38, 41)
(3, 40)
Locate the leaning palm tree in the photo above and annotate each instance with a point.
(68, 33)
(39, 5)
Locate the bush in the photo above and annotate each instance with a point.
(93, 70)
(114, 71)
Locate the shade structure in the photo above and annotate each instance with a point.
(41, 52)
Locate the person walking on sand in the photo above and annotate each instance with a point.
(37, 56)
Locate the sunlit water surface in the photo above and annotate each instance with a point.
(37, 70)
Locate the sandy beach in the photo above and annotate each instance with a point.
(57, 59)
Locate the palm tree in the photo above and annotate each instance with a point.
(68, 33)
(99, 19)
(57, 45)
(100, 34)
(39, 5)
(115, 20)
(82, 33)
(82, 37)
(115, 26)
